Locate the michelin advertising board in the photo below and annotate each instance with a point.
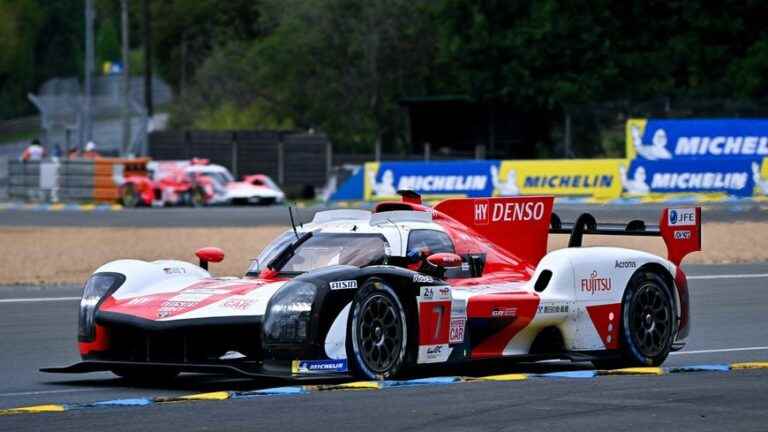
(712, 156)
(456, 178)
(470, 178)
(696, 156)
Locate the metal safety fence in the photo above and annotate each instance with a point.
(69, 180)
(296, 161)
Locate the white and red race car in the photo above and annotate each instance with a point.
(253, 189)
(196, 182)
(375, 294)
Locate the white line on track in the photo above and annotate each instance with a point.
(45, 392)
(729, 276)
(710, 351)
(38, 299)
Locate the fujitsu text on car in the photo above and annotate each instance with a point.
(375, 294)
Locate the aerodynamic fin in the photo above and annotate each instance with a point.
(679, 227)
(681, 230)
(518, 224)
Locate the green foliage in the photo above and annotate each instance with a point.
(185, 32)
(107, 44)
(338, 65)
(228, 116)
(19, 24)
(341, 66)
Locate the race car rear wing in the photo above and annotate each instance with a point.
(680, 228)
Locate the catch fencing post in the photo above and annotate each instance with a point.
(479, 152)
(328, 160)
(234, 154)
(281, 160)
(188, 144)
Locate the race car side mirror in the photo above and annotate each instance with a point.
(444, 260)
(209, 254)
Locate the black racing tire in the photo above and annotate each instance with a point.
(129, 196)
(144, 375)
(381, 340)
(197, 197)
(648, 323)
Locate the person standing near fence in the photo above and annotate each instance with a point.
(33, 152)
(90, 151)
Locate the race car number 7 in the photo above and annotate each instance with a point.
(438, 310)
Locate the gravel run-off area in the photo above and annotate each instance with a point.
(69, 255)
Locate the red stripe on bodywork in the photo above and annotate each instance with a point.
(483, 306)
(607, 319)
(681, 283)
(100, 342)
(148, 306)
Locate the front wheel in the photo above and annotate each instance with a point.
(197, 197)
(378, 332)
(129, 196)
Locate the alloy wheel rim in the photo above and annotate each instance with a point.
(129, 198)
(380, 333)
(197, 198)
(651, 320)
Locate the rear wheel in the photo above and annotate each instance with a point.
(129, 196)
(197, 197)
(648, 323)
(378, 332)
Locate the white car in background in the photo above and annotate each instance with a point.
(253, 189)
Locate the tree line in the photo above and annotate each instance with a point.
(342, 66)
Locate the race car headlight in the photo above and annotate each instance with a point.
(95, 290)
(288, 314)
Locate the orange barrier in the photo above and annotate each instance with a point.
(107, 172)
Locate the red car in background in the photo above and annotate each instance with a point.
(168, 183)
(196, 183)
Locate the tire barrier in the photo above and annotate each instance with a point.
(24, 181)
(80, 180)
(3, 178)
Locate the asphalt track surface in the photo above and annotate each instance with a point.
(38, 328)
(278, 215)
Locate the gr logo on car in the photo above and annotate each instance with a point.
(504, 312)
(682, 217)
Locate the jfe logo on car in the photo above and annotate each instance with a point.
(679, 217)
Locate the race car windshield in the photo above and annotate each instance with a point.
(270, 184)
(327, 249)
(221, 177)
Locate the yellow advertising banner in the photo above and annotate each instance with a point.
(760, 176)
(370, 169)
(634, 132)
(596, 178)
